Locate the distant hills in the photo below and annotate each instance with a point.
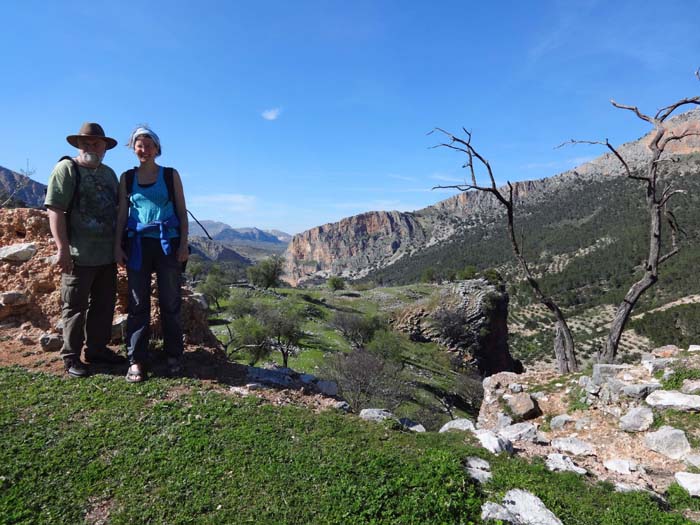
(220, 231)
(29, 193)
(584, 230)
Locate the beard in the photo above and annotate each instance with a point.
(91, 159)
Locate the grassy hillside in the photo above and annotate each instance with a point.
(176, 451)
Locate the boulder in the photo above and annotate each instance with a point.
(638, 419)
(411, 425)
(520, 507)
(13, 298)
(376, 414)
(560, 421)
(640, 390)
(573, 445)
(653, 364)
(18, 252)
(690, 482)
(493, 443)
(478, 469)
(690, 386)
(601, 372)
(668, 441)
(562, 463)
(665, 399)
(694, 348)
(519, 432)
(522, 406)
(621, 466)
(666, 351)
(459, 424)
(51, 342)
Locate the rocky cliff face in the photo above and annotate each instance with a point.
(470, 319)
(24, 189)
(357, 245)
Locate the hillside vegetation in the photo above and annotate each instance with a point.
(173, 451)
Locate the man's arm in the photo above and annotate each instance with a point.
(59, 231)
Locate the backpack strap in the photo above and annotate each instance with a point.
(167, 175)
(75, 199)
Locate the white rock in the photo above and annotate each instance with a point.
(573, 446)
(638, 419)
(18, 252)
(560, 421)
(459, 424)
(673, 399)
(694, 348)
(492, 442)
(690, 386)
(621, 466)
(376, 414)
(520, 508)
(690, 482)
(653, 364)
(13, 298)
(519, 432)
(411, 425)
(668, 441)
(562, 463)
(478, 469)
(693, 460)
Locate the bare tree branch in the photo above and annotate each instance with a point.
(666, 112)
(635, 110)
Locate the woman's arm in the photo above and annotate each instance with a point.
(122, 213)
(181, 210)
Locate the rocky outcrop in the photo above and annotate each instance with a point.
(469, 318)
(30, 285)
(355, 246)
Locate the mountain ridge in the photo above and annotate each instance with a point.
(356, 246)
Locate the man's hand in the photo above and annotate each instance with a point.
(64, 260)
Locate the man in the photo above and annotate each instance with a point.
(82, 204)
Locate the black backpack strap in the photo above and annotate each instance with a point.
(129, 174)
(75, 199)
(168, 176)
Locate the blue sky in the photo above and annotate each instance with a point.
(290, 115)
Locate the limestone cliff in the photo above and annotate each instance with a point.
(355, 246)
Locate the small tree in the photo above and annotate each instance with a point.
(214, 286)
(335, 283)
(365, 379)
(249, 334)
(195, 269)
(356, 328)
(267, 273)
(283, 329)
(563, 340)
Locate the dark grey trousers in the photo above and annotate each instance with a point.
(88, 294)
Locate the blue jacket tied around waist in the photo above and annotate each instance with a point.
(137, 229)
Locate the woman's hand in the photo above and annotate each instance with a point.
(120, 256)
(183, 252)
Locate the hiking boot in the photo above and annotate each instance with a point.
(74, 367)
(103, 355)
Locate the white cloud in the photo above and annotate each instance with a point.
(271, 114)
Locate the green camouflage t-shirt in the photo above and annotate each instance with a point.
(93, 218)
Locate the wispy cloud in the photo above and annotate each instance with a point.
(230, 201)
(271, 114)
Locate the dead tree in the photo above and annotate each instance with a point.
(658, 195)
(563, 340)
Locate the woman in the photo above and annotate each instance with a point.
(153, 217)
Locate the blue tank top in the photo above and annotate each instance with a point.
(148, 204)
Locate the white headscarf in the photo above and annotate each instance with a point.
(140, 131)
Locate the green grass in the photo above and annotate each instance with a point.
(174, 451)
